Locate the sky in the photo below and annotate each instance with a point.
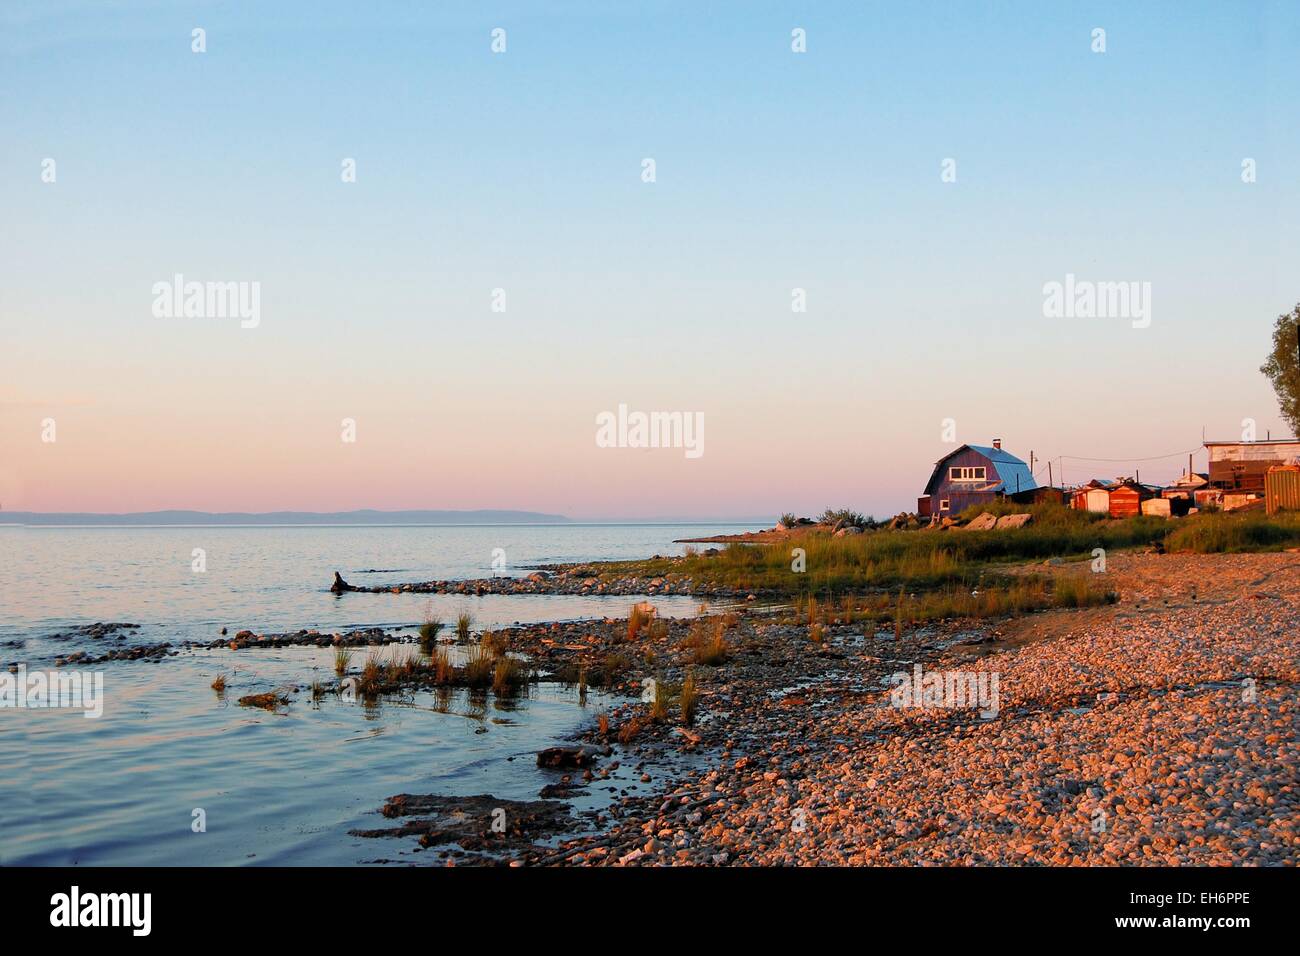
(523, 171)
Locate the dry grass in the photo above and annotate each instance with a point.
(631, 728)
(268, 701)
(496, 642)
(480, 667)
(689, 699)
(638, 618)
(509, 675)
(464, 625)
(342, 660)
(659, 703)
(707, 640)
(372, 673)
(440, 664)
(219, 685)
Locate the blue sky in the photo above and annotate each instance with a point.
(775, 170)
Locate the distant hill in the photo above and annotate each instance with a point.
(363, 517)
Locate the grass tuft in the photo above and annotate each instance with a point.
(509, 675)
(429, 631)
(689, 699)
(641, 615)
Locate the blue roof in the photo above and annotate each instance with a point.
(1015, 474)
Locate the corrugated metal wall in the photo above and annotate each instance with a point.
(1282, 490)
(1125, 503)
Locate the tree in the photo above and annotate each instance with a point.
(1283, 367)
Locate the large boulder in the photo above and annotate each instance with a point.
(983, 522)
(1014, 521)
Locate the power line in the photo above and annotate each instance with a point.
(1177, 454)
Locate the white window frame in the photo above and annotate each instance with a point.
(943, 504)
(967, 473)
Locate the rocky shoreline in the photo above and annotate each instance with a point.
(580, 580)
(1161, 730)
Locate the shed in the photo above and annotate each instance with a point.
(1185, 486)
(1282, 488)
(1126, 497)
(1159, 507)
(1094, 496)
(1207, 498)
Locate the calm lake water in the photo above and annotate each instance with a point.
(278, 788)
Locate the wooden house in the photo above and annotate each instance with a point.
(973, 475)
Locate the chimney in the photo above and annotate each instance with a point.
(997, 443)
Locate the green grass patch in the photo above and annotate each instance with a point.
(911, 559)
(1232, 533)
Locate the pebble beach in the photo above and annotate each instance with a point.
(1162, 730)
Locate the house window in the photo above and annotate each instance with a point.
(966, 473)
(943, 504)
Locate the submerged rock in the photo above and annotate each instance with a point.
(579, 755)
(482, 823)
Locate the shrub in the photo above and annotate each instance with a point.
(847, 516)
